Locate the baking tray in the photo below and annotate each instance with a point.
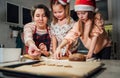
(9, 71)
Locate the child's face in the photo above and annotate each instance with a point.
(59, 11)
(82, 15)
(40, 18)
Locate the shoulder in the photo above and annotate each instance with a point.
(72, 21)
(31, 24)
(96, 31)
(76, 26)
(52, 24)
(76, 23)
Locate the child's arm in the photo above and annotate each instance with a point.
(92, 47)
(58, 53)
(71, 36)
(54, 43)
(96, 31)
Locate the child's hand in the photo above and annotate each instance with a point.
(68, 53)
(89, 55)
(33, 50)
(57, 54)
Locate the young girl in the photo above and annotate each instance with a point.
(36, 33)
(61, 24)
(90, 29)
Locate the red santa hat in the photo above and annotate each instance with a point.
(85, 5)
(64, 2)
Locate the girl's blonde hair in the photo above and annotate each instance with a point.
(66, 7)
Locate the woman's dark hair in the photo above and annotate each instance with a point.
(40, 6)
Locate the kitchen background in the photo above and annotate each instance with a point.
(109, 9)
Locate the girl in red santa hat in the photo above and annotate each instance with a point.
(60, 25)
(90, 29)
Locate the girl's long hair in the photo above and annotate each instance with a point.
(81, 24)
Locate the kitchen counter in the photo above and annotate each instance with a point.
(111, 69)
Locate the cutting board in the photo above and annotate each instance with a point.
(60, 68)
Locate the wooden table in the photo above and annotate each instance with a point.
(111, 69)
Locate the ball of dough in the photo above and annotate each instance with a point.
(77, 57)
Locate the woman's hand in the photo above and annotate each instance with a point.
(57, 54)
(43, 49)
(33, 50)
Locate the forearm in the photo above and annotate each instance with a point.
(30, 42)
(63, 43)
(54, 44)
(28, 35)
(92, 47)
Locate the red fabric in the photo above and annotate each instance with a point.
(26, 49)
(86, 2)
(45, 38)
(64, 1)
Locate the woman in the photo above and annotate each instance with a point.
(36, 33)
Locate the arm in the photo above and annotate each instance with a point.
(54, 43)
(96, 31)
(32, 50)
(58, 54)
(28, 38)
(71, 36)
(92, 47)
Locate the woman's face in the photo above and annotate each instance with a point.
(40, 18)
(59, 11)
(82, 15)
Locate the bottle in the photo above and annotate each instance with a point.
(2, 46)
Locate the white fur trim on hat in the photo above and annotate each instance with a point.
(84, 8)
(68, 1)
(62, 2)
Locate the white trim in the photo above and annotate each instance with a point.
(84, 8)
(68, 1)
(62, 2)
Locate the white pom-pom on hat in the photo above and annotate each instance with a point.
(64, 2)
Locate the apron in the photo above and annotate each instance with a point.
(41, 38)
